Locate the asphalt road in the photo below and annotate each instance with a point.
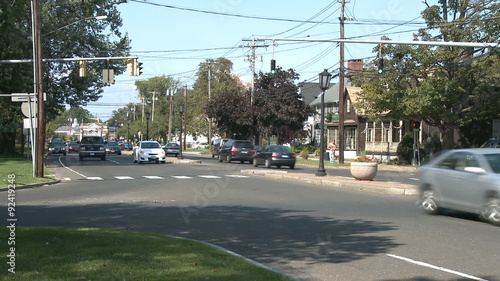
(307, 231)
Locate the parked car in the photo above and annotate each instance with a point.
(492, 143)
(202, 145)
(149, 151)
(216, 146)
(275, 155)
(172, 148)
(57, 146)
(127, 146)
(112, 147)
(92, 146)
(236, 150)
(466, 180)
(73, 146)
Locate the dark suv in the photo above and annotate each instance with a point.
(217, 145)
(92, 146)
(237, 150)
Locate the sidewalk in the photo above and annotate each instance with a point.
(394, 188)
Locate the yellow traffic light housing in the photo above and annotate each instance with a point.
(130, 67)
(83, 68)
(138, 68)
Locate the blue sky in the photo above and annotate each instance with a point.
(171, 40)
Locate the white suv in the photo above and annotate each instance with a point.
(149, 151)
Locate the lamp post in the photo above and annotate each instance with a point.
(147, 124)
(181, 111)
(324, 84)
(128, 132)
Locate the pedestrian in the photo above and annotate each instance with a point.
(332, 147)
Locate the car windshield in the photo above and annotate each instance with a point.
(172, 145)
(150, 145)
(112, 143)
(494, 161)
(92, 140)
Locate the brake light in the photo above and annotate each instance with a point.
(234, 151)
(275, 155)
(294, 155)
(252, 152)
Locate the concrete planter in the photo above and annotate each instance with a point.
(364, 170)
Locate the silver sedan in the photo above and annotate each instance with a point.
(466, 180)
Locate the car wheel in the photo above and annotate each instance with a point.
(220, 158)
(228, 158)
(119, 153)
(242, 161)
(491, 212)
(103, 158)
(267, 163)
(80, 158)
(255, 164)
(292, 166)
(428, 202)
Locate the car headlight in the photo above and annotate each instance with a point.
(142, 152)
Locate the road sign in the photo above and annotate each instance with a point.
(27, 125)
(22, 97)
(25, 108)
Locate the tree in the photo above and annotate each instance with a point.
(278, 107)
(69, 30)
(447, 87)
(222, 82)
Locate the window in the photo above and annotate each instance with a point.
(350, 142)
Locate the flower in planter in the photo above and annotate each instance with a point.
(364, 158)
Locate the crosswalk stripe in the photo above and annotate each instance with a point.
(94, 178)
(209, 177)
(154, 177)
(124, 178)
(182, 177)
(237, 176)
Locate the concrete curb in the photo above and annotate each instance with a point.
(391, 188)
(18, 187)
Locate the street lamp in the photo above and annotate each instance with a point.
(324, 84)
(128, 132)
(181, 110)
(147, 124)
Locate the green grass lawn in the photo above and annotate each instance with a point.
(22, 168)
(57, 253)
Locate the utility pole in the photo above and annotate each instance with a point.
(209, 98)
(185, 115)
(170, 112)
(341, 140)
(40, 144)
(252, 60)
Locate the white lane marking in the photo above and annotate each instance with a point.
(209, 177)
(116, 162)
(237, 176)
(95, 178)
(182, 177)
(81, 175)
(124, 177)
(153, 177)
(437, 267)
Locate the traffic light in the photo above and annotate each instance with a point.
(83, 68)
(415, 125)
(273, 66)
(138, 68)
(130, 67)
(380, 66)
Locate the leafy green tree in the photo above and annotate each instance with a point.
(447, 87)
(222, 82)
(69, 30)
(278, 107)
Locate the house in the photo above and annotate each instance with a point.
(376, 138)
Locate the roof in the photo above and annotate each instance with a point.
(331, 95)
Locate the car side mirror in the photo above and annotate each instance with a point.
(475, 170)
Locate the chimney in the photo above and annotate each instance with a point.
(354, 67)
